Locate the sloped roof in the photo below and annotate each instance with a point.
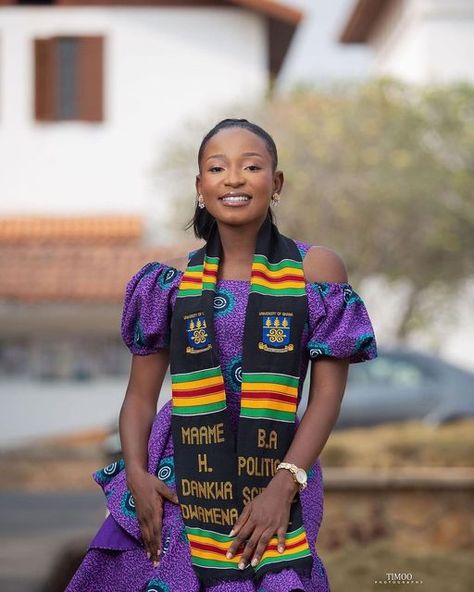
(86, 259)
(363, 19)
(74, 229)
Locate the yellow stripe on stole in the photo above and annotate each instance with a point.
(283, 389)
(267, 404)
(278, 273)
(197, 384)
(277, 286)
(203, 400)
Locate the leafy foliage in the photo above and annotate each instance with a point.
(384, 174)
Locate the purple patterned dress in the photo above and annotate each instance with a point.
(338, 325)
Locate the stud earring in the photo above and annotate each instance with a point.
(200, 200)
(275, 199)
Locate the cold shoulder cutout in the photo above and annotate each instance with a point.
(145, 324)
(339, 324)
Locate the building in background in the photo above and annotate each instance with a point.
(316, 57)
(61, 294)
(421, 41)
(92, 92)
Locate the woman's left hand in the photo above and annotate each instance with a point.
(266, 514)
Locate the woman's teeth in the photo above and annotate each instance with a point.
(235, 198)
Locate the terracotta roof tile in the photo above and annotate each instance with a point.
(75, 229)
(74, 273)
(74, 259)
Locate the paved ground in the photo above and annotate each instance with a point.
(35, 528)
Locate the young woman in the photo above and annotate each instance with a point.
(222, 489)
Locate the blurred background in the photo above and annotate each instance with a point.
(371, 104)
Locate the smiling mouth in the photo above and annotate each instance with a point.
(235, 199)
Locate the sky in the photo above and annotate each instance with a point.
(315, 54)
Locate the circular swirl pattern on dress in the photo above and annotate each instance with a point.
(128, 504)
(319, 349)
(167, 277)
(106, 474)
(224, 302)
(234, 373)
(157, 585)
(165, 470)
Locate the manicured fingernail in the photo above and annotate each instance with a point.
(148, 554)
(231, 533)
(241, 565)
(228, 555)
(254, 562)
(280, 548)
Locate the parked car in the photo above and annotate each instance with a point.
(403, 384)
(398, 385)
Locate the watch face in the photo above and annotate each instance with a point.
(301, 476)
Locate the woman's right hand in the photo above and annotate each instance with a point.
(149, 493)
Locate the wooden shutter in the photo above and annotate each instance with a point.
(91, 79)
(45, 79)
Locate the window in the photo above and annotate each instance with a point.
(69, 79)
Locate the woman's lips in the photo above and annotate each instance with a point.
(235, 200)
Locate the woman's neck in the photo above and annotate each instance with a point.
(238, 248)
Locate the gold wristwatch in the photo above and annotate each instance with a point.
(299, 475)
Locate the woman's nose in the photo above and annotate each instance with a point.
(234, 177)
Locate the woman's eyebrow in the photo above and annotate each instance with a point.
(246, 154)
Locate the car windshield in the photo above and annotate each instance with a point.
(387, 370)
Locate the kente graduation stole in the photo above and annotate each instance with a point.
(216, 472)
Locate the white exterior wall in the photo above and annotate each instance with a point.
(162, 65)
(426, 41)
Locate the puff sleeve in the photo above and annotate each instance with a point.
(146, 315)
(339, 323)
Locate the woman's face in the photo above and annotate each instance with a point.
(236, 178)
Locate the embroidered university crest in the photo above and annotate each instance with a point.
(276, 328)
(198, 336)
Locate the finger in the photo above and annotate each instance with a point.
(166, 492)
(262, 544)
(249, 549)
(155, 528)
(145, 536)
(240, 539)
(241, 520)
(281, 532)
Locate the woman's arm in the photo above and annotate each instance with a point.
(139, 409)
(135, 421)
(266, 514)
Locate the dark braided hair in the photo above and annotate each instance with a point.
(202, 222)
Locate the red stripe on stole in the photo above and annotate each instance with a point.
(219, 550)
(191, 279)
(212, 272)
(208, 547)
(273, 280)
(200, 392)
(268, 395)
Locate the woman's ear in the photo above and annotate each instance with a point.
(198, 184)
(278, 181)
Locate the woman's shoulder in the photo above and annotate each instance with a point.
(178, 263)
(322, 264)
(158, 275)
